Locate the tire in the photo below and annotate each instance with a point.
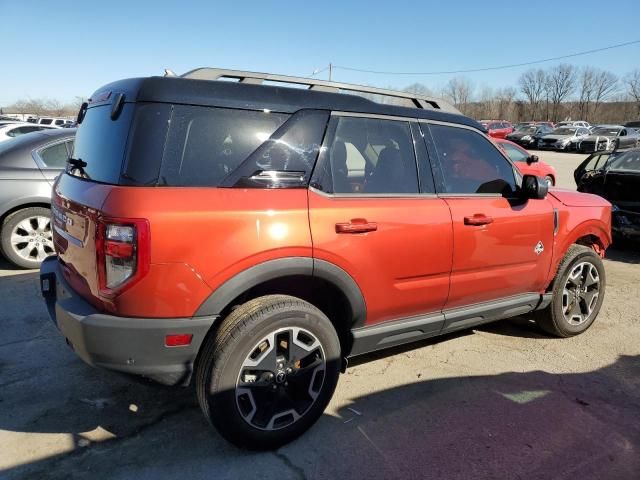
(550, 180)
(268, 353)
(34, 224)
(566, 317)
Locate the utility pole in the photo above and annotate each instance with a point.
(330, 71)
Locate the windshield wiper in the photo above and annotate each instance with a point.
(77, 162)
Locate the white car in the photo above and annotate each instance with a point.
(12, 130)
(573, 123)
(54, 122)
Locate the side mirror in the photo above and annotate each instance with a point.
(532, 159)
(534, 187)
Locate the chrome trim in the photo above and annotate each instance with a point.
(372, 195)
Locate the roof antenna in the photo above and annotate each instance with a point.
(169, 73)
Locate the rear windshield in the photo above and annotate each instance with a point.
(100, 143)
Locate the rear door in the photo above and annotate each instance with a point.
(376, 216)
(502, 246)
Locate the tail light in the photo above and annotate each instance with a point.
(123, 253)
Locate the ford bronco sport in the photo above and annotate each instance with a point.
(225, 229)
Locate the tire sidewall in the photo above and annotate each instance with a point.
(557, 310)
(221, 379)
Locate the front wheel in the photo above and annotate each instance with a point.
(578, 293)
(268, 372)
(550, 181)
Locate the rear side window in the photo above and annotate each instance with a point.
(205, 145)
(469, 163)
(54, 156)
(100, 143)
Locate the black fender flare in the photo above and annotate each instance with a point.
(284, 267)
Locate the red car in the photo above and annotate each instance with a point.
(497, 128)
(250, 238)
(527, 164)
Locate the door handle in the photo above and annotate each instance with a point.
(356, 225)
(478, 219)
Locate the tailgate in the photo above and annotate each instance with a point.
(75, 207)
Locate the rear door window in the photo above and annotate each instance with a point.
(54, 156)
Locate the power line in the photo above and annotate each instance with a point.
(485, 69)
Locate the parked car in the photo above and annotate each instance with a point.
(12, 130)
(28, 166)
(529, 136)
(497, 128)
(573, 123)
(526, 163)
(55, 122)
(634, 124)
(321, 234)
(563, 138)
(618, 180)
(519, 125)
(609, 137)
(595, 161)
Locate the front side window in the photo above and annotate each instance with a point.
(54, 156)
(514, 153)
(469, 163)
(368, 156)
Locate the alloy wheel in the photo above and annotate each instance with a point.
(280, 379)
(31, 239)
(580, 293)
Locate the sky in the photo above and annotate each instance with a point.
(64, 49)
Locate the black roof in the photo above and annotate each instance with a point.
(227, 94)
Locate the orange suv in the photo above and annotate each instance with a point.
(224, 229)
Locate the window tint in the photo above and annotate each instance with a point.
(627, 161)
(100, 142)
(54, 156)
(287, 157)
(369, 156)
(470, 163)
(46, 121)
(204, 144)
(514, 153)
(59, 122)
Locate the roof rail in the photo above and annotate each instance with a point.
(410, 99)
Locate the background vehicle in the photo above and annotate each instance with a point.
(12, 130)
(329, 226)
(563, 138)
(573, 123)
(525, 162)
(28, 166)
(529, 136)
(608, 137)
(618, 180)
(55, 122)
(497, 128)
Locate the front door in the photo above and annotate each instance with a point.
(372, 215)
(502, 245)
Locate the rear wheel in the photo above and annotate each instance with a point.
(269, 371)
(26, 237)
(550, 180)
(578, 293)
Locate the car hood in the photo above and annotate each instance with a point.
(572, 198)
(556, 137)
(518, 135)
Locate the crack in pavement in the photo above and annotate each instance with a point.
(299, 471)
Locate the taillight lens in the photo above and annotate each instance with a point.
(122, 252)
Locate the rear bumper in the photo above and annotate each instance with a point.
(129, 345)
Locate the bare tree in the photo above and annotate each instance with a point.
(504, 101)
(459, 90)
(561, 82)
(586, 88)
(632, 84)
(532, 85)
(605, 85)
(418, 89)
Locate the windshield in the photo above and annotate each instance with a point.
(564, 131)
(527, 129)
(629, 161)
(611, 132)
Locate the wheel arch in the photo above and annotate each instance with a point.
(321, 283)
(16, 206)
